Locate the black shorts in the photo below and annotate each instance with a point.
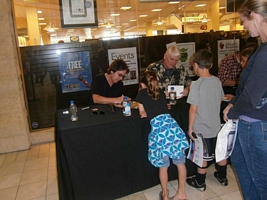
(209, 150)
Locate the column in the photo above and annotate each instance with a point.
(213, 13)
(33, 26)
(14, 131)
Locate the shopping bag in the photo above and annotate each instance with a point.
(226, 140)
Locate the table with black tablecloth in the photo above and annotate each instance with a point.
(104, 156)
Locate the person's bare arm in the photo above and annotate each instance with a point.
(185, 92)
(107, 100)
(192, 116)
(230, 83)
(142, 111)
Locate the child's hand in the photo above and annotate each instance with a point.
(143, 114)
(192, 135)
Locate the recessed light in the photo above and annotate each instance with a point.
(40, 18)
(132, 20)
(42, 24)
(200, 5)
(39, 11)
(115, 14)
(125, 7)
(142, 15)
(156, 10)
(174, 2)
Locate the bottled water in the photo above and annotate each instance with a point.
(126, 106)
(73, 112)
(172, 96)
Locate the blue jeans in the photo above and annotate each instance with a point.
(249, 159)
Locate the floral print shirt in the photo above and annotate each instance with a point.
(175, 76)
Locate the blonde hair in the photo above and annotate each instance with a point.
(257, 6)
(149, 79)
(173, 51)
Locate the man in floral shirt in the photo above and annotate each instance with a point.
(170, 71)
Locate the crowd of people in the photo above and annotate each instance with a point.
(245, 69)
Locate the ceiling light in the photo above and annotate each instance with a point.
(221, 7)
(156, 10)
(50, 28)
(142, 15)
(108, 24)
(132, 20)
(125, 7)
(39, 11)
(174, 2)
(41, 18)
(115, 14)
(159, 22)
(200, 5)
(41, 24)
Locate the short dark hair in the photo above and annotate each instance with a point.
(118, 65)
(204, 58)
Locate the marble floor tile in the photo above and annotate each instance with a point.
(36, 164)
(10, 158)
(33, 176)
(52, 187)
(9, 193)
(10, 180)
(11, 168)
(52, 197)
(32, 191)
(22, 156)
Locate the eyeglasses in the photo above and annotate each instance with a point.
(121, 75)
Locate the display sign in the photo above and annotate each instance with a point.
(129, 55)
(226, 47)
(78, 13)
(75, 71)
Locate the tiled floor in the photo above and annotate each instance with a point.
(32, 175)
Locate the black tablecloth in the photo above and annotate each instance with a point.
(104, 156)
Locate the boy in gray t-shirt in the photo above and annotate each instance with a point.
(204, 115)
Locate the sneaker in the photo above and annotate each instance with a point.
(223, 182)
(193, 182)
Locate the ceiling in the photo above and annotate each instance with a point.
(51, 14)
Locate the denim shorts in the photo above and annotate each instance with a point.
(166, 161)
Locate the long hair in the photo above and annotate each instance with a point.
(149, 79)
(257, 6)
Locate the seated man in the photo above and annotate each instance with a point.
(230, 69)
(170, 72)
(108, 88)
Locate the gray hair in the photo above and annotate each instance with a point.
(173, 51)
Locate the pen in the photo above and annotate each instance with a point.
(85, 108)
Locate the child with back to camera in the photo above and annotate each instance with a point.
(204, 116)
(166, 139)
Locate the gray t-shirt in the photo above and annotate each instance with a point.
(206, 93)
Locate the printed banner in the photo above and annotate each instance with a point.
(75, 71)
(129, 55)
(227, 47)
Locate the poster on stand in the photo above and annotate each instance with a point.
(75, 71)
(227, 47)
(187, 50)
(129, 55)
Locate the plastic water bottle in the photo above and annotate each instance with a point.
(172, 96)
(73, 112)
(126, 106)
